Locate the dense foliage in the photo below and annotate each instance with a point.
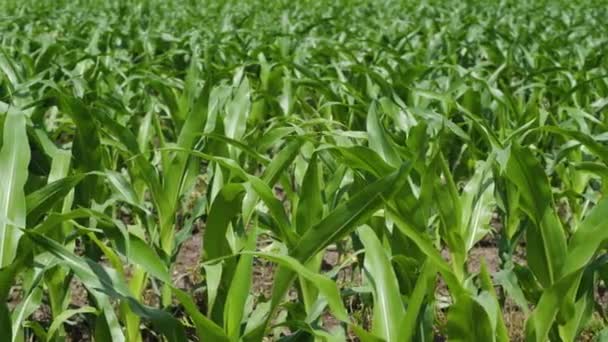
(405, 170)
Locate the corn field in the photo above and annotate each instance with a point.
(316, 170)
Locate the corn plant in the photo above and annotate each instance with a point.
(311, 171)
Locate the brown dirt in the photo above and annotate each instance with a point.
(489, 255)
(79, 293)
(186, 269)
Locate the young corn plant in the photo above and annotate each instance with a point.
(315, 171)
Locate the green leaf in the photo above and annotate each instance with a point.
(310, 206)
(587, 140)
(206, 329)
(546, 248)
(341, 221)
(102, 285)
(388, 307)
(123, 187)
(41, 201)
(142, 255)
(426, 280)
(281, 162)
(468, 320)
(276, 209)
(5, 319)
(26, 307)
(326, 286)
(361, 157)
(239, 290)
(348, 215)
(225, 207)
(272, 173)
(508, 280)
(583, 245)
(426, 246)
(486, 284)
(237, 112)
(64, 316)
(591, 234)
(213, 277)
(478, 204)
(378, 139)
(196, 117)
(445, 195)
(86, 147)
(14, 159)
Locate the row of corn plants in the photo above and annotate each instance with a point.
(360, 152)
